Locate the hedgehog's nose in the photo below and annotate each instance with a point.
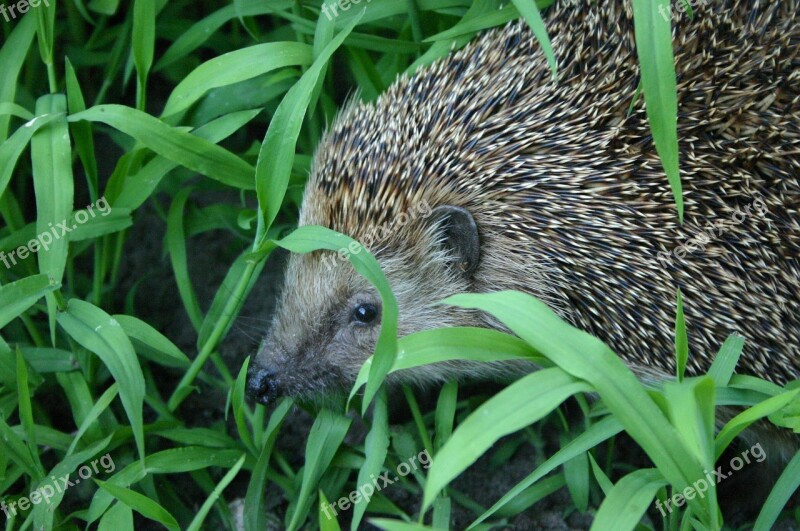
(262, 385)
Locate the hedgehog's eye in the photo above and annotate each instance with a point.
(365, 313)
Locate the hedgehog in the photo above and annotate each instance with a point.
(481, 173)
(554, 188)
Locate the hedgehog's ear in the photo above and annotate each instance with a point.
(459, 235)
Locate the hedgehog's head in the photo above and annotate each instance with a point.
(329, 317)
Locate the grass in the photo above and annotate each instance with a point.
(156, 104)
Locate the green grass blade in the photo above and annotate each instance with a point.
(12, 57)
(681, 340)
(629, 499)
(214, 496)
(276, 156)
(15, 110)
(396, 525)
(254, 503)
(81, 131)
(326, 522)
(600, 476)
(118, 518)
(445, 413)
(199, 33)
(138, 187)
(520, 404)
(376, 446)
(587, 358)
(744, 419)
(144, 38)
(155, 346)
(234, 67)
(220, 310)
(654, 47)
(22, 294)
(530, 12)
(100, 333)
(326, 435)
(141, 504)
(239, 408)
(25, 408)
(725, 361)
(787, 484)
(43, 513)
(173, 461)
(576, 477)
(45, 32)
(51, 156)
(176, 245)
(12, 148)
(97, 409)
(457, 343)
(174, 144)
(14, 447)
(115, 220)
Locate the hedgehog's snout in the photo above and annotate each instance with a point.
(262, 384)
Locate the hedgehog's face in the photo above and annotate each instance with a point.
(328, 318)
